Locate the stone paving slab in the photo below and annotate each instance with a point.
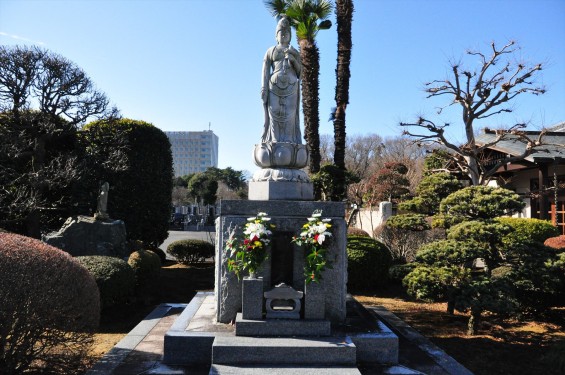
(282, 370)
(281, 327)
(285, 350)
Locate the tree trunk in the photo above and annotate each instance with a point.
(473, 172)
(344, 16)
(451, 307)
(310, 100)
(473, 324)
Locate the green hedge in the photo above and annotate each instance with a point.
(527, 231)
(114, 277)
(368, 264)
(140, 195)
(191, 251)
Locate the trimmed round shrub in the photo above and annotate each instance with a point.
(114, 277)
(146, 265)
(160, 253)
(191, 251)
(527, 231)
(49, 308)
(368, 262)
(397, 272)
(352, 231)
(557, 243)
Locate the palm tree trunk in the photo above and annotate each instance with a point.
(344, 16)
(310, 100)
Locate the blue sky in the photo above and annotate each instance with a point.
(182, 64)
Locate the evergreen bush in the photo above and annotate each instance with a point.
(140, 193)
(527, 231)
(535, 282)
(397, 272)
(368, 262)
(49, 308)
(146, 265)
(114, 277)
(433, 283)
(191, 252)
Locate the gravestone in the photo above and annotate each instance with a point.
(288, 217)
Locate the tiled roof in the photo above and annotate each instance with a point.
(553, 143)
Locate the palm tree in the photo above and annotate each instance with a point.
(307, 17)
(344, 16)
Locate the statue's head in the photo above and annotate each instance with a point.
(283, 31)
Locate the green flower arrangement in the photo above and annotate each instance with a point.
(248, 251)
(315, 238)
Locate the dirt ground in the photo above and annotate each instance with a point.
(503, 346)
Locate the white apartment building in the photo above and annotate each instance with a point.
(193, 151)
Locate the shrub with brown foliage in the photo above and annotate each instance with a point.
(49, 308)
(146, 265)
(557, 243)
(352, 231)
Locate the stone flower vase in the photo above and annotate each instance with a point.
(252, 298)
(314, 301)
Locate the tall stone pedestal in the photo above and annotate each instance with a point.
(280, 190)
(288, 218)
(252, 298)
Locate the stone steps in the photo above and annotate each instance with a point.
(326, 351)
(281, 370)
(281, 327)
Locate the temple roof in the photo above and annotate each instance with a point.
(553, 143)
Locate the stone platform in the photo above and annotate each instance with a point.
(301, 346)
(141, 352)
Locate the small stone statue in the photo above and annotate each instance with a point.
(102, 209)
(280, 89)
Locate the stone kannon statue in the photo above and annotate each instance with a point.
(281, 153)
(102, 209)
(280, 89)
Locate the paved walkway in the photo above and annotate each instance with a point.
(140, 352)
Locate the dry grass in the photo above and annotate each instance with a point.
(504, 346)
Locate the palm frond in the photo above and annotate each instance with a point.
(322, 8)
(325, 25)
(276, 7)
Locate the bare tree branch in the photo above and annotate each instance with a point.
(482, 94)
